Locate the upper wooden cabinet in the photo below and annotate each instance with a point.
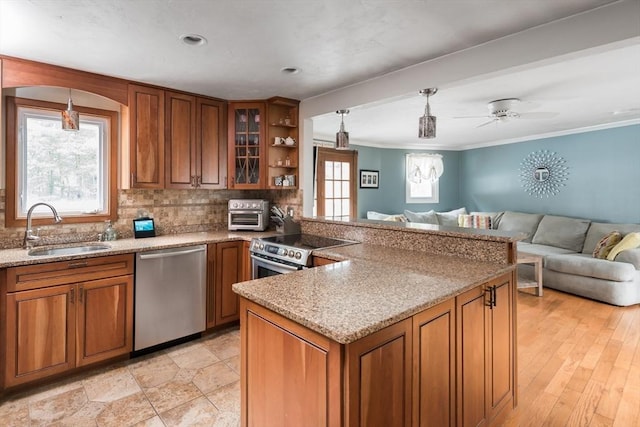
(177, 140)
(195, 149)
(146, 138)
(282, 170)
(258, 156)
(246, 145)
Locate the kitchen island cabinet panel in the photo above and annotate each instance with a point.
(379, 378)
(434, 366)
(40, 333)
(472, 358)
(105, 319)
(274, 392)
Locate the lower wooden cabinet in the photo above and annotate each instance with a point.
(50, 330)
(485, 346)
(246, 261)
(449, 365)
(318, 261)
(224, 268)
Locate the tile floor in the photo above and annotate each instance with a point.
(193, 384)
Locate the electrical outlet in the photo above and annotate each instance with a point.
(290, 211)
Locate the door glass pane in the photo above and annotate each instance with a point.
(336, 170)
(345, 189)
(328, 189)
(337, 187)
(345, 170)
(328, 170)
(328, 207)
(337, 207)
(345, 206)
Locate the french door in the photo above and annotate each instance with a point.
(336, 183)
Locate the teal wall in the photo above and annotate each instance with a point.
(603, 182)
(390, 197)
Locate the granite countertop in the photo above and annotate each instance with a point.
(476, 233)
(372, 288)
(17, 257)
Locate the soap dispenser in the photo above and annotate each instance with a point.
(109, 232)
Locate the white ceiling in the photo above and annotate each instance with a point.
(336, 43)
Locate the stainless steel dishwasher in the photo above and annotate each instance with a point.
(170, 295)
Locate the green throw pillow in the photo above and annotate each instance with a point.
(607, 243)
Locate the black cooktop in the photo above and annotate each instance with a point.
(304, 241)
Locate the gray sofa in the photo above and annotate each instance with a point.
(567, 245)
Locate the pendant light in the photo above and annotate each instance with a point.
(70, 117)
(427, 125)
(342, 137)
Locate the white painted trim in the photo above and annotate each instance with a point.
(441, 147)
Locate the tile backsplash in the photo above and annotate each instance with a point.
(174, 211)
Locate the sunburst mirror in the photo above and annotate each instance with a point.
(542, 173)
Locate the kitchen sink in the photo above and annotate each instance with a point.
(69, 250)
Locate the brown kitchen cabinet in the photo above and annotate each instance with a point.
(451, 364)
(246, 261)
(224, 268)
(63, 315)
(195, 144)
(283, 159)
(247, 155)
(485, 329)
(317, 261)
(434, 355)
(146, 136)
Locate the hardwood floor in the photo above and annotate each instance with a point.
(578, 362)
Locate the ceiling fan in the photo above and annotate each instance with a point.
(502, 110)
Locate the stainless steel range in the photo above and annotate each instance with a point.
(286, 253)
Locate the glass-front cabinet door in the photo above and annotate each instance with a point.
(246, 145)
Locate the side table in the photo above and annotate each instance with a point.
(526, 282)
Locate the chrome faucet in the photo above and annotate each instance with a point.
(29, 237)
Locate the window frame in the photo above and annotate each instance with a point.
(12, 218)
(435, 186)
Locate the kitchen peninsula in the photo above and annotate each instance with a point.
(400, 330)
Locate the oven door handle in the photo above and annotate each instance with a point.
(274, 264)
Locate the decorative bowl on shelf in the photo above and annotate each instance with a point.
(289, 141)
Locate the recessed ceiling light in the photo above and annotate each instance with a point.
(193, 39)
(290, 70)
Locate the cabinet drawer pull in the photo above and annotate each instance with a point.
(78, 264)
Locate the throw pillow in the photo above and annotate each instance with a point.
(450, 219)
(607, 243)
(465, 221)
(630, 241)
(422, 217)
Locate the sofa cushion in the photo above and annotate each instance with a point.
(542, 249)
(518, 221)
(597, 230)
(495, 217)
(386, 217)
(632, 256)
(585, 265)
(562, 231)
(630, 241)
(422, 217)
(607, 243)
(450, 218)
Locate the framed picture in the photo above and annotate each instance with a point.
(369, 179)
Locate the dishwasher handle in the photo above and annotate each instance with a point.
(172, 253)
